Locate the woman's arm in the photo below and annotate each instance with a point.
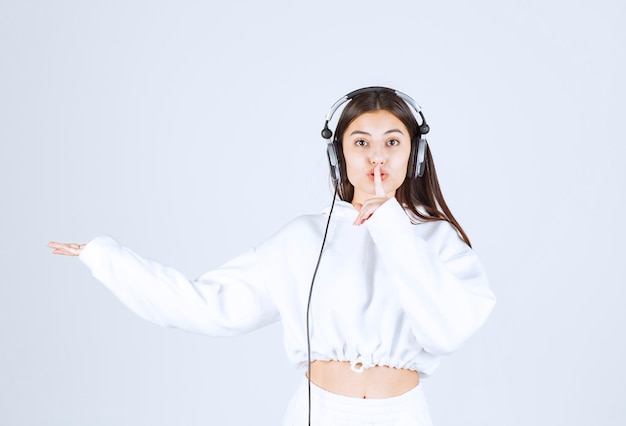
(439, 279)
(229, 300)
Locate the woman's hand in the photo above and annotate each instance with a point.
(367, 209)
(66, 249)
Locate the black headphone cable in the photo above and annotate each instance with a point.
(308, 304)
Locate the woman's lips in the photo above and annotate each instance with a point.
(383, 175)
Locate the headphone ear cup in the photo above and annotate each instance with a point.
(420, 165)
(333, 150)
(417, 159)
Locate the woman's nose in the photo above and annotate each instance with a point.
(377, 156)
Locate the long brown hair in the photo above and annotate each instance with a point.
(416, 194)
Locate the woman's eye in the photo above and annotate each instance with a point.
(360, 142)
(393, 142)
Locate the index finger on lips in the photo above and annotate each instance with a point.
(378, 182)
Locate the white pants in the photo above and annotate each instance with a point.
(329, 409)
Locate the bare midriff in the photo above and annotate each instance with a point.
(374, 382)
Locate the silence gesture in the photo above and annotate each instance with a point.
(367, 209)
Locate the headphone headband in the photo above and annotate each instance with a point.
(327, 133)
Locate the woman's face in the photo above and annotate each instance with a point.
(376, 138)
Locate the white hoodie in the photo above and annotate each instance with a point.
(388, 292)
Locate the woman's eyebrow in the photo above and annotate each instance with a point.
(394, 131)
(361, 132)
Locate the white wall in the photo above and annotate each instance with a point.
(190, 131)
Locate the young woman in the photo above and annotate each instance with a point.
(395, 286)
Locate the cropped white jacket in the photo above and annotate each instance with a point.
(388, 292)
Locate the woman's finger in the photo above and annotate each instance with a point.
(361, 218)
(367, 210)
(66, 249)
(378, 182)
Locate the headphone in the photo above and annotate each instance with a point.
(335, 152)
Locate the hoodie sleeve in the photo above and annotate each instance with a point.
(229, 300)
(439, 279)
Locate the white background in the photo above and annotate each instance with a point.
(189, 131)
